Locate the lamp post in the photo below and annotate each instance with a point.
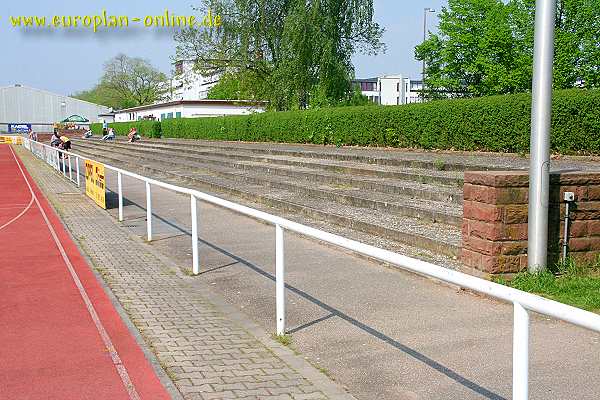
(425, 11)
(541, 109)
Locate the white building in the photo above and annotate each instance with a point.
(391, 89)
(189, 109)
(24, 105)
(187, 84)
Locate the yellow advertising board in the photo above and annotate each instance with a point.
(95, 182)
(11, 140)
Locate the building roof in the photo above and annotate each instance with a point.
(366, 80)
(24, 87)
(195, 103)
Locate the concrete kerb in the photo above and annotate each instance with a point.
(330, 388)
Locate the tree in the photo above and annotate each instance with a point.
(127, 82)
(294, 53)
(236, 87)
(485, 47)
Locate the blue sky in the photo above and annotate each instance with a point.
(65, 61)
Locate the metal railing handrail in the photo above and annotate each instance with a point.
(522, 301)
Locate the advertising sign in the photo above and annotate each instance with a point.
(19, 128)
(11, 139)
(95, 182)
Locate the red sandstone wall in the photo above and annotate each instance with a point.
(495, 219)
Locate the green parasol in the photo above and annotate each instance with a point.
(75, 118)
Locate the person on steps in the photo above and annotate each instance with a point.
(110, 134)
(133, 135)
(55, 138)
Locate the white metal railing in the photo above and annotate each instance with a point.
(59, 159)
(523, 302)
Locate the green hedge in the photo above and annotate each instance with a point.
(144, 128)
(496, 123)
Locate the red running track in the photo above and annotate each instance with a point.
(60, 336)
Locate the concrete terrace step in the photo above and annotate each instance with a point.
(435, 211)
(412, 182)
(392, 157)
(440, 238)
(422, 175)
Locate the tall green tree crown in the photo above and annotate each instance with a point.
(293, 53)
(485, 47)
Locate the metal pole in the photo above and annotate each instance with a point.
(423, 69)
(70, 169)
(64, 166)
(120, 195)
(520, 353)
(148, 212)
(541, 109)
(195, 263)
(425, 11)
(279, 280)
(566, 233)
(77, 170)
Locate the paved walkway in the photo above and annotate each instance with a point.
(209, 350)
(382, 333)
(61, 338)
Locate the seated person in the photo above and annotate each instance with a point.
(133, 135)
(110, 134)
(65, 143)
(55, 139)
(87, 134)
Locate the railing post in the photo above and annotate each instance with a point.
(520, 353)
(120, 194)
(70, 173)
(195, 261)
(279, 280)
(148, 211)
(64, 166)
(77, 170)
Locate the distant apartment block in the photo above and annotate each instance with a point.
(188, 84)
(391, 89)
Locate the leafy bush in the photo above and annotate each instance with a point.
(495, 123)
(144, 128)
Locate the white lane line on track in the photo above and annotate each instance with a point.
(19, 215)
(133, 394)
(13, 206)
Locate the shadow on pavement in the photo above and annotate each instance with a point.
(333, 312)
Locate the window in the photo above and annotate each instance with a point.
(397, 87)
(170, 115)
(179, 67)
(162, 116)
(368, 86)
(178, 114)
